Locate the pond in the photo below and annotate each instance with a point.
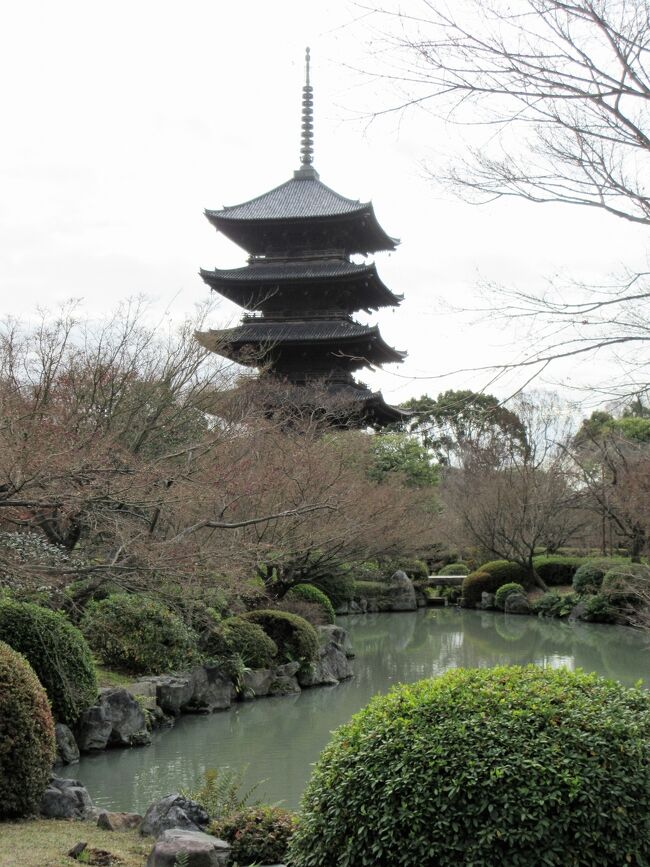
(276, 740)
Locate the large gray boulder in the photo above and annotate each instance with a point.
(211, 690)
(332, 632)
(333, 664)
(67, 751)
(400, 593)
(173, 811)
(257, 682)
(199, 849)
(517, 603)
(117, 720)
(66, 799)
(109, 821)
(173, 692)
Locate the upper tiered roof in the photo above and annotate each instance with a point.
(267, 284)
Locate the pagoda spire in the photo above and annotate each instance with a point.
(307, 169)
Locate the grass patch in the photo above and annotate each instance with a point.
(45, 842)
(108, 677)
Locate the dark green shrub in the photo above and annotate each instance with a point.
(505, 590)
(58, 653)
(506, 570)
(623, 583)
(488, 578)
(555, 569)
(554, 604)
(257, 835)
(250, 642)
(139, 635)
(589, 577)
(296, 640)
(598, 609)
(551, 768)
(455, 569)
(309, 593)
(26, 736)
(338, 586)
(416, 570)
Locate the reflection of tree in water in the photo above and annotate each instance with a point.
(279, 738)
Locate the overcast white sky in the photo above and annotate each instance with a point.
(121, 122)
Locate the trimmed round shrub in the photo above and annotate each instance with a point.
(506, 590)
(249, 640)
(139, 635)
(58, 653)
(622, 583)
(488, 578)
(26, 736)
(257, 835)
(455, 569)
(485, 767)
(589, 577)
(309, 593)
(556, 569)
(296, 640)
(338, 586)
(370, 589)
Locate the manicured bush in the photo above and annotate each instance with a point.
(139, 635)
(554, 604)
(250, 642)
(488, 578)
(26, 736)
(589, 577)
(506, 590)
(296, 639)
(338, 586)
(455, 569)
(506, 570)
(58, 653)
(623, 583)
(555, 569)
(415, 569)
(312, 594)
(511, 765)
(257, 835)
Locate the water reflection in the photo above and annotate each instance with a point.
(279, 738)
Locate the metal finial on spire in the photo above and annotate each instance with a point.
(307, 137)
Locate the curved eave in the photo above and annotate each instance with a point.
(371, 238)
(251, 291)
(367, 349)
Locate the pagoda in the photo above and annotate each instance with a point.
(300, 288)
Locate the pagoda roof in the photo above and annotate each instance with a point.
(249, 286)
(302, 199)
(364, 342)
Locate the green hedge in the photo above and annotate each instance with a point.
(517, 766)
(309, 593)
(556, 569)
(296, 639)
(370, 589)
(455, 569)
(58, 653)
(488, 578)
(26, 736)
(507, 590)
(139, 635)
(235, 637)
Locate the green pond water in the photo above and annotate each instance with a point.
(278, 739)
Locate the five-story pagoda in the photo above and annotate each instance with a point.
(301, 288)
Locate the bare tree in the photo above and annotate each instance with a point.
(523, 504)
(563, 87)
